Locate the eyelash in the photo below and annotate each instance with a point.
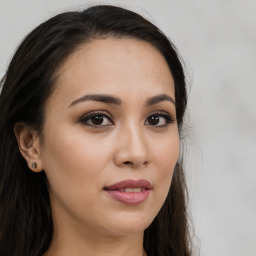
(169, 119)
(87, 117)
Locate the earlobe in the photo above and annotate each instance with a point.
(29, 145)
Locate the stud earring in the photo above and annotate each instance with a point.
(34, 165)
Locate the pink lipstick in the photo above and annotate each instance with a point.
(130, 192)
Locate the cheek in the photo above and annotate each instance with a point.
(74, 166)
(166, 153)
(70, 162)
(165, 158)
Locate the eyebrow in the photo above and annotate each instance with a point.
(108, 99)
(159, 98)
(97, 97)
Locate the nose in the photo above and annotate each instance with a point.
(132, 148)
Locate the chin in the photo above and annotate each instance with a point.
(130, 223)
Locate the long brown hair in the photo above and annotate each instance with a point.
(26, 225)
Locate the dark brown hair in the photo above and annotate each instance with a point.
(26, 225)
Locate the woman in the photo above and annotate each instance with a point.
(92, 106)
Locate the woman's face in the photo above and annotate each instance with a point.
(110, 121)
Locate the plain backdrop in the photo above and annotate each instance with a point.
(217, 39)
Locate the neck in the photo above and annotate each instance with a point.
(88, 242)
(74, 237)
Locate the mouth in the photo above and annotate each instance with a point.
(130, 192)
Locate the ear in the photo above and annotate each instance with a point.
(29, 145)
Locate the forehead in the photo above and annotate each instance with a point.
(114, 66)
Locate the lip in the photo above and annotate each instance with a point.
(129, 198)
(130, 184)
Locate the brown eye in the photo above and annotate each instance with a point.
(159, 119)
(153, 120)
(96, 120)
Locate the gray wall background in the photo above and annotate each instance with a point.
(217, 39)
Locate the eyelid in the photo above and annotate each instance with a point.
(91, 114)
(160, 112)
(170, 118)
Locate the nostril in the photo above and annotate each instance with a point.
(134, 164)
(127, 162)
(145, 163)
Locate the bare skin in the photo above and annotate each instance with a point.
(88, 144)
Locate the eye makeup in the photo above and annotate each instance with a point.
(96, 119)
(101, 118)
(159, 119)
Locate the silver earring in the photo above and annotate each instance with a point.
(34, 165)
